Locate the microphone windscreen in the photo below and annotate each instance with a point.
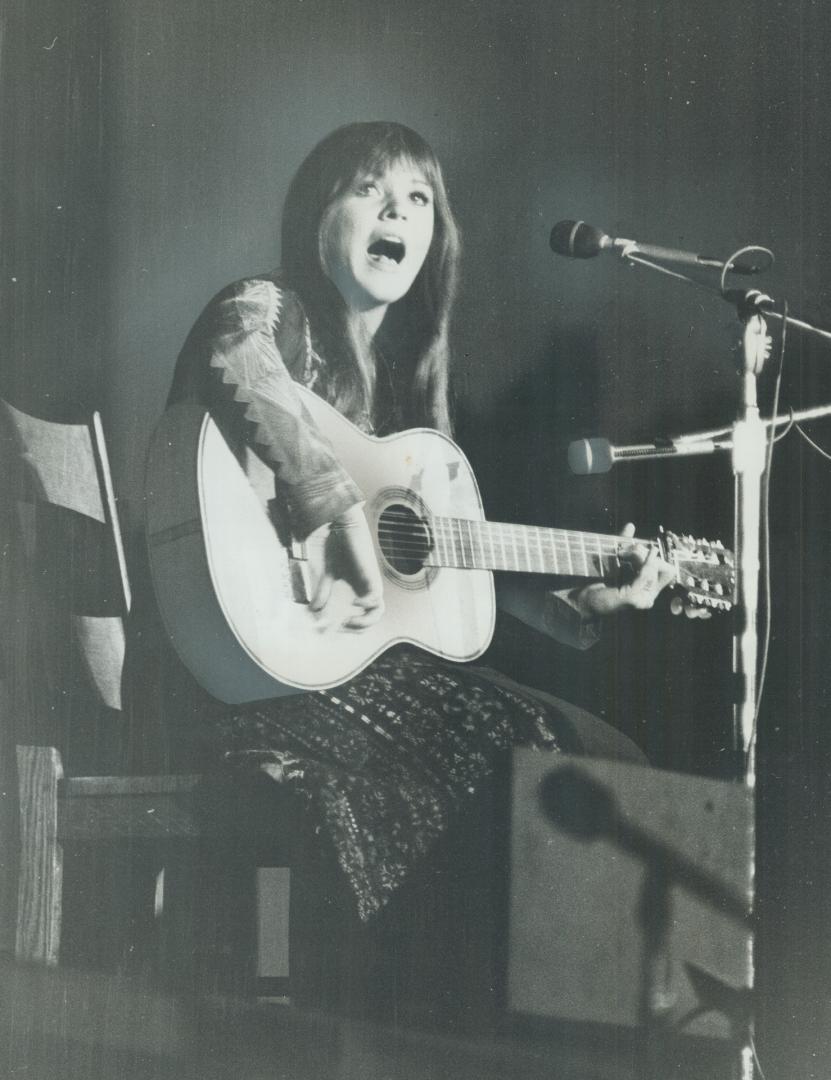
(587, 456)
(576, 239)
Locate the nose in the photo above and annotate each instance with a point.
(394, 206)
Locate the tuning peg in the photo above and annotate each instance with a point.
(691, 609)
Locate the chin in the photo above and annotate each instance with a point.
(390, 294)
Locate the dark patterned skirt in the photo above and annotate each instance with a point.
(386, 761)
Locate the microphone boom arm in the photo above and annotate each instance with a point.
(591, 456)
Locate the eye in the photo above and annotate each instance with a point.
(421, 197)
(367, 187)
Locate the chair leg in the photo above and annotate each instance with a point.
(41, 855)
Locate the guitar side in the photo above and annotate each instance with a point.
(231, 594)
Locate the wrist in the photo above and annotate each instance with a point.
(580, 599)
(349, 519)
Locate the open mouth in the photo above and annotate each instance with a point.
(387, 249)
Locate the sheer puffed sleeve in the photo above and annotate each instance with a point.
(241, 360)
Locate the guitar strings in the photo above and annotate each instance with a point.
(399, 534)
(470, 543)
(395, 523)
(402, 523)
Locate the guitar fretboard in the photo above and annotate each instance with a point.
(493, 545)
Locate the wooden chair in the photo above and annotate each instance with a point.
(59, 496)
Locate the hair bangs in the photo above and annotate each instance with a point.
(379, 146)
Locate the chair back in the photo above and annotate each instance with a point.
(62, 515)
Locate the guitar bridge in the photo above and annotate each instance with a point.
(299, 572)
(296, 549)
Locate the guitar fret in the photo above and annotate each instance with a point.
(568, 552)
(476, 537)
(601, 562)
(555, 566)
(439, 540)
(458, 550)
(538, 535)
(555, 555)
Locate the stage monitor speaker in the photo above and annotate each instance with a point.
(629, 885)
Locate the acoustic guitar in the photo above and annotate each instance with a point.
(232, 585)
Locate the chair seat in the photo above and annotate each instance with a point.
(112, 809)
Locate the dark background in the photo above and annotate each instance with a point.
(146, 147)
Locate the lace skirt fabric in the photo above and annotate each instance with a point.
(386, 760)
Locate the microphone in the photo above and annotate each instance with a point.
(577, 240)
(587, 456)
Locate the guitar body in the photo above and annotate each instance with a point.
(234, 595)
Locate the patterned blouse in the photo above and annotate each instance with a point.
(386, 760)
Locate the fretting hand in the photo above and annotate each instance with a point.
(651, 575)
(347, 589)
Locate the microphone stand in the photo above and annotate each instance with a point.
(748, 462)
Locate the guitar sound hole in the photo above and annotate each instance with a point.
(404, 538)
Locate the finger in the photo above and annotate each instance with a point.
(372, 609)
(642, 560)
(656, 573)
(636, 554)
(641, 597)
(644, 590)
(652, 568)
(322, 593)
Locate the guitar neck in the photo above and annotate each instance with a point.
(493, 545)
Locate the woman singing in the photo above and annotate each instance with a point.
(399, 766)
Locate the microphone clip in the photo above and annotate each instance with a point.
(748, 302)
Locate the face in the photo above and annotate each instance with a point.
(376, 235)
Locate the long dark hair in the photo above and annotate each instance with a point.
(421, 318)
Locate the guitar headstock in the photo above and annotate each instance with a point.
(705, 568)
